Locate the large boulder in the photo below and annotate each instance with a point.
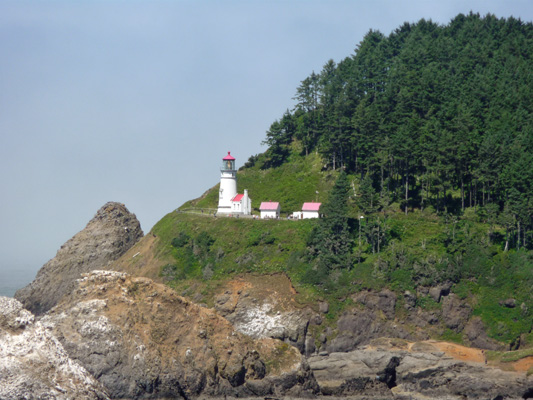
(34, 364)
(111, 232)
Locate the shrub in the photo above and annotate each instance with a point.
(181, 240)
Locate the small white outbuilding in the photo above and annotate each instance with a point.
(269, 209)
(241, 204)
(311, 210)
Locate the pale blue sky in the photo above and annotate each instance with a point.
(137, 101)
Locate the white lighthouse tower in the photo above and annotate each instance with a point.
(228, 184)
(229, 201)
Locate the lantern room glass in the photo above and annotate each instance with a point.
(228, 165)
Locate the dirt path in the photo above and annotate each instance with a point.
(523, 365)
(477, 355)
(460, 352)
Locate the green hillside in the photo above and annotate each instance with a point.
(420, 249)
(291, 184)
(427, 134)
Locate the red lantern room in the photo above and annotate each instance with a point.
(228, 163)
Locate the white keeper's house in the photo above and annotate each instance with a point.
(311, 210)
(229, 201)
(269, 209)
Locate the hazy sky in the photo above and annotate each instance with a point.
(138, 101)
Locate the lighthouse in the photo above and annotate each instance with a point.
(228, 184)
(229, 201)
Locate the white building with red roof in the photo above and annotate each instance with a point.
(269, 209)
(309, 210)
(241, 204)
(229, 201)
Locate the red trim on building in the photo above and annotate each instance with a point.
(311, 206)
(269, 206)
(229, 157)
(237, 197)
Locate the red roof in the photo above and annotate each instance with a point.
(229, 157)
(237, 197)
(311, 206)
(269, 206)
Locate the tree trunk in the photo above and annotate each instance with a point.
(470, 193)
(462, 195)
(518, 236)
(444, 199)
(406, 191)
(382, 179)
(506, 240)
(379, 238)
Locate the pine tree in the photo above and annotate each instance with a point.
(331, 242)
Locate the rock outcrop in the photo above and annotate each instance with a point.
(359, 325)
(142, 340)
(262, 307)
(111, 232)
(34, 365)
(396, 369)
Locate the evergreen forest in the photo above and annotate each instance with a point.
(430, 117)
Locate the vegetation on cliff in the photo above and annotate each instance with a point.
(432, 130)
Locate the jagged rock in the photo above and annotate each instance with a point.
(350, 373)
(384, 301)
(455, 312)
(111, 232)
(410, 299)
(34, 365)
(358, 327)
(142, 340)
(264, 307)
(477, 336)
(389, 369)
(323, 307)
(437, 292)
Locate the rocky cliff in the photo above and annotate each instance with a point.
(34, 364)
(398, 369)
(141, 340)
(106, 333)
(111, 232)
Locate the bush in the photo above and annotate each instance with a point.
(181, 240)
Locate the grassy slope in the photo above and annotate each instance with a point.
(291, 185)
(415, 249)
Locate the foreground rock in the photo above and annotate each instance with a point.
(142, 340)
(34, 365)
(396, 369)
(111, 232)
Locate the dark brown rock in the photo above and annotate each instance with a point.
(111, 232)
(476, 336)
(358, 327)
(455, 312)
(442, 290)
(384, 301)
